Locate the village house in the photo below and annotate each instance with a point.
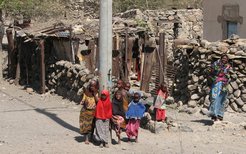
(222, 18)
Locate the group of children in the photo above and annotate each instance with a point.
(100, 115)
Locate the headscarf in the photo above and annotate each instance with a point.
(104, 107)
(118, 106)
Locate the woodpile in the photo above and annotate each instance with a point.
(191, 86)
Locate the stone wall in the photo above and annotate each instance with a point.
(191, 87)
(176, 24)
(68, 80)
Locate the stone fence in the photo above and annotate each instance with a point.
(191, 87)
(68, 80)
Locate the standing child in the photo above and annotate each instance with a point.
(135, 112)
(160, 103)
(118, 114)
(103, 115)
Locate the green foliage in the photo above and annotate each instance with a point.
(141, 23)
(31, 8)
(123, 5)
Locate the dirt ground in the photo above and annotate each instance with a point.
(32, 123)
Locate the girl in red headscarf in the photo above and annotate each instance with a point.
(103, 114)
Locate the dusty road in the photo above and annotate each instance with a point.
(49, 124)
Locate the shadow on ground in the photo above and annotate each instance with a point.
(206, 122)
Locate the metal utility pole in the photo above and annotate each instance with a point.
(105, 44)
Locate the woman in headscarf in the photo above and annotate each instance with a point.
(118, 114)
(103, 115)
(87, 112)
(219, 73)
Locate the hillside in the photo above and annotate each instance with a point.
(80, 8)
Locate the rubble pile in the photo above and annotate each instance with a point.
(191, 86)
(68, 80)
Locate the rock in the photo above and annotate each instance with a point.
(239, 102)
(193, 110)
(185, 129)
(197, 28)
(206, 101)
(234, 106)
(195, 78)
(223, 49)
(204, 111)
(244, 108)
(195, 97)
(192, 87)
(170, 100)
(160, 126)
(237, 93)
(230, 89)
(171, 18)
(192, 103)
(239, 52)
(234, 76)
(244, 91)
(180, 103)
(243, 97)
(205, 43)
(29, 90)
(11, 81)
(234, 85)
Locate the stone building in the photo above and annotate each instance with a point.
(222, 18)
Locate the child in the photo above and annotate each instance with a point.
(160, 103)
(118, 114)
(103, 114)
(135, 112)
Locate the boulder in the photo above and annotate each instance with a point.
(234, 85)
(239, 102)
(243, 97)
(244, 108)
(234, 106)
(195, 97)
(192, 103)
(204, 111)
(192, 87)
(237, 93)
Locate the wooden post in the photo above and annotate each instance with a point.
(126, 55)
(71, 44)
(42, 67)
(10, 52)
(148, 63)
(17, 74)
(116, 58)
(161, 57)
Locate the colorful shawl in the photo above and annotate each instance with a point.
(220, 72)
(135, 110)
(160, 102)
